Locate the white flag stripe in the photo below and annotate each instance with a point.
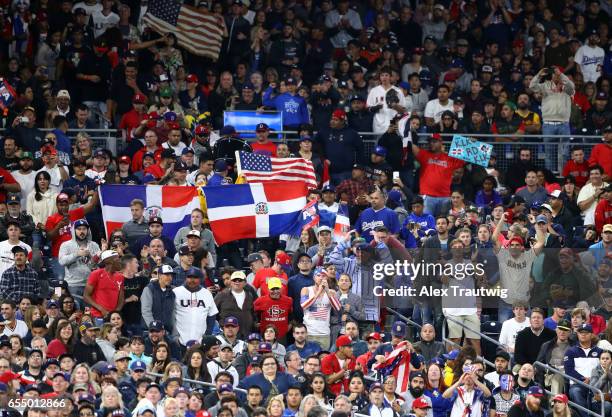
(262, 221)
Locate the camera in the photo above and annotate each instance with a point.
(548, 73)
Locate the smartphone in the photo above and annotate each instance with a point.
(488, 218)
(395, 175)
(467, 369)
(163, 77)
(24, 119)
(411, 225)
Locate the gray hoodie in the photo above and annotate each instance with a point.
(78, 268)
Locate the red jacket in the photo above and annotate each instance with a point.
(330, 365)
(603, 214)
(598, 323)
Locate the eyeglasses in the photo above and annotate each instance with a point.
(237, 280)
(305, 261)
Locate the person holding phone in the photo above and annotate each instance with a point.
(468, 395)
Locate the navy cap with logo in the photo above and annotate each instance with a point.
(186, 151)
(194, 272)
(13, 198)
(226, 388)
(264, 347)
(231, 321)
(536, 391)
(156, 326)
(399, 329)
(253, 337)
(356, 97)
(262, 127)
(138, 366)
(585, 327)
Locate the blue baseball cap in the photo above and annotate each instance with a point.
(585, 327)
(138, 366)
(452, 355)
(231, 321)
(399, 329)
(262, 127)
(380, 150)
(187, 150)
(220, 165)
(536, 391)
(254, 336)
(81, 222)
(227, 130)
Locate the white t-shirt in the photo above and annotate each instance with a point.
(178, 149)
(21, 329)
(26, 181)
(7, 257)
(434, 109)
(89, 9)
(510, 328)
(383, 118)
(514, 274)
(466, 398)
(102, 22)
(56, 184)
(239, 297)
(590, 61)
(192, 309)
(587, 192)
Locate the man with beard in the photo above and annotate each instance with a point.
(416, 390)
(525, 380)
(531, 120)
(519, 169)
(86, 349)
(33, 368)
(502, 359)
(531, 407)
(78, 256)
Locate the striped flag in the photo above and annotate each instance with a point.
(200, 32)
(397, 363)
(172, 203)
(255, 210)
(262, 168)
(343, 225)
(310, 215)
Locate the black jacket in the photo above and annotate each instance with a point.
(90, 354)
(544, 357)
(528, 345)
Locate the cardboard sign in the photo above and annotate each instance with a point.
(470, 150)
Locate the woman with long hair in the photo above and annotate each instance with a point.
(307, 239)
(434, 387)
(83, 147)
(270, 335)
(63, 341)
(40, 203)
(569, 192)
(116, 320)
(32, 313)
(195, 366)
(318, 387)
(358, 395)
(276, 406)
(271, 380)
(111, 400)
(19, 356)
(107, 339)
(81, 374)
(560, 407)
(69, 308)
(160, 358)
(173, 370)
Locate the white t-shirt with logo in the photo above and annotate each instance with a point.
(192, 309)
(434, 109)
(590, 61)
(378, 96)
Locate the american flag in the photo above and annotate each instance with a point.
(261, 168)
(397, 363)
(199, 32)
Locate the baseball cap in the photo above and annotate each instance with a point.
(121, 355)
(184, 250)
(564, 325)
(26, 155)
(607, 228)
(399, 329)
(290, 81)
(13, 198)
(561, 398)
(373, 335)
(585, 327)
(282, 259)
(226, 388)
(194, 272)
(324, 229)
(253, 257)
(262, 127)
(139, 98)
(63, 94)
(231, 321)
(536, 391)
(486, 69)
(124, 159)
(220, 165)
(62, 197)
(107, 254)
(166, 269)
(555, 194)
(195, 233)
(274, 283)
(339, 114)
(380, 151)
(420, 403)
(192, 78)
(81, 222)
(138, 366)
(343, 341)
(452, 355)
(547, 207)
(52, 304)
(601, 95)
(450, 76)
(541, 219)
(156, 326)
(502, 354)
(238, 275)
(376, 385)
(156, 220)
(253, 336)
(187, 150)
(264, 347)
(227, 130)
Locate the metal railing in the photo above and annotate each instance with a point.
(579, 382)
(482, 335)
(444, 339)
(202, 383)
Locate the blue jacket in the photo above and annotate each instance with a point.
(161, 304)
(283, 381)
(343, 147)
(294, 290)
(63, 142)
(293, 108)
(310, 348)
(575, 354)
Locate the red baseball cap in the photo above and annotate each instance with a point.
(450, 76)
(48, 149)
(435, 136)
(283, 259)
(173, 125)
(192, 78)
(517, 239)
(124, 159)
(139, 98)
(373, 335)
(420, 403)
(561, 397)
(339, 114)
(343, 341)
(202, 130)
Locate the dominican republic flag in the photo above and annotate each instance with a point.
(310, 215)
(244, 211)
(343, 225)
(172, 203)
(397, 363)
(7, 94)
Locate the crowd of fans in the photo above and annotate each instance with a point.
(138, 322)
